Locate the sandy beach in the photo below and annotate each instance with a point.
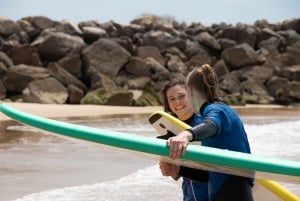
(59, 111)
(64, 111)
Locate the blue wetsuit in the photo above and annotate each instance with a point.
(194, 190)
(230, 134)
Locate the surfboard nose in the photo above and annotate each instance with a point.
(154, 118)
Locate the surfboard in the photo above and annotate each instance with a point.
(196, 156)
(167, 126)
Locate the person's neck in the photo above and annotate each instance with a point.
(197, 103)
(186, 116)
(198, 100)
(200, 103)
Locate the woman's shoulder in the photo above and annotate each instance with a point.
(197, 115)
(197, 118)
(217, 107)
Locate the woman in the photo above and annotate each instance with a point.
(194, 185)
(221, 128)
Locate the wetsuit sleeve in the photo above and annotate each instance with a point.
(193, 174)
(204, 130)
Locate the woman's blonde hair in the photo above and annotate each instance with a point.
(204, 80)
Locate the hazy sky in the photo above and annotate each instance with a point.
(123, 11)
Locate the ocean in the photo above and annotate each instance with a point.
(37, 165)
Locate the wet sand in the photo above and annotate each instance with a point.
(59, 111)
(62, 111)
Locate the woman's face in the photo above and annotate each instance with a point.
(178, 102)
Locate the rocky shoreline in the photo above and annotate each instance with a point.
(51, 62)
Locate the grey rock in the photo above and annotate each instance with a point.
(47, 91)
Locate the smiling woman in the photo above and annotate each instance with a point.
(176, 102)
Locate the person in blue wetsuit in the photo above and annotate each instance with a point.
(194, 185)
(221, 128)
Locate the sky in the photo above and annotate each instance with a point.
(206, 12)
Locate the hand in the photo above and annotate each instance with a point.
(178, 144)
(168, 169)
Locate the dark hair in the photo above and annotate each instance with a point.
(170, 84)
(204, 80)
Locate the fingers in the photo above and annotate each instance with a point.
(183, 151)
(175, 151)
(177, 148)
(168, 169)
(164, 168)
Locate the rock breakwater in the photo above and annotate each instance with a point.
(46, 61)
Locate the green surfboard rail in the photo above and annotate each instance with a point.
(158, 147)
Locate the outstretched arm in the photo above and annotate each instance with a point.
(179, 143)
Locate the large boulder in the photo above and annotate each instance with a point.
(69, 27)
(3, 69)
(270, 47)
(208, 40)
(56, 45)
(254, 92)
(25, 54)
(48, 91)
(293, 24)
(230, 83)
(239, 56)
(240, 34)
(41, 22)
(162, 40)
(176, 65)
(200, 58)
(73, 64)
(8, 27)
(259, 73)
(102, 96)
(2, 90)
(104, 56)
(153, 22)
(28, 28)
(253, 87)
(92, 34)
(274, 87)
(17, 77)
(147, 68)
(138, 83)
(289, 92)
(6, 60)
(147, 96)
(221, 68)
(75, 94)
(65, 77)
(292, 73)
(150, 51)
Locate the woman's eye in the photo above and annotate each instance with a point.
(172, 100)
(181, 97)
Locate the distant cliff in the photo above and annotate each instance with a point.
(46, 61)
